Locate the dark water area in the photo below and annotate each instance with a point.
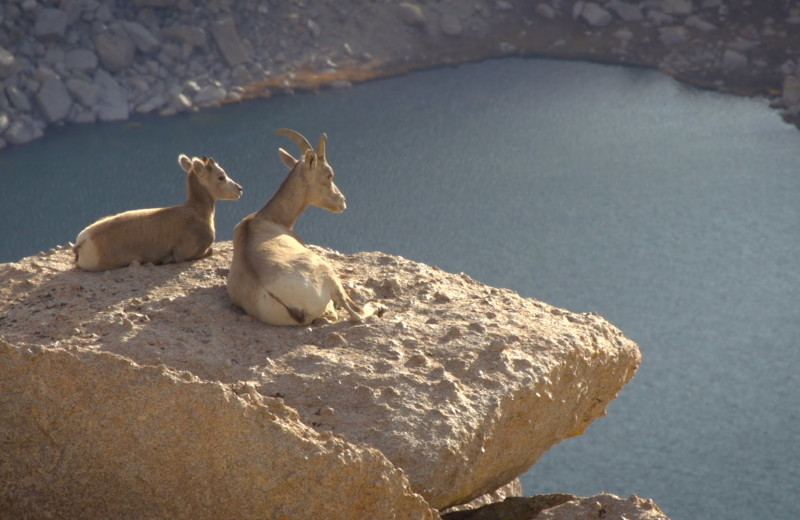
(670, 211)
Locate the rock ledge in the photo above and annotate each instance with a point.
(144, 370)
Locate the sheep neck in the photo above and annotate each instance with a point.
(198, 196)
(288, 202)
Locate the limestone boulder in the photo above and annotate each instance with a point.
(460, 385)
(89, 434)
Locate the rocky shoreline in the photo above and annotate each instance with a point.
(82, 61)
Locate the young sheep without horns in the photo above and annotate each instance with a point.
(160, 235)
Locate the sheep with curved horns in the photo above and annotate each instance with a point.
(274, 276)
(160, 235)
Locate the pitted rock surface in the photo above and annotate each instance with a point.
(460, 385)
(88, 434)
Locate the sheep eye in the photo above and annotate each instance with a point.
(221, 177)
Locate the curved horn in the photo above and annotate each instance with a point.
(321, 146)
(301, 141)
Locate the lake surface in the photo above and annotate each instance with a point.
(670, 211)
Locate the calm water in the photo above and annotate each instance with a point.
(672, 212)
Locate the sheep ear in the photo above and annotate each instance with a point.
(287, 158)
(198, 165)
(310, 158)
(185, 162)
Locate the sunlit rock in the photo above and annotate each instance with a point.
(88, 434)
(460, 385)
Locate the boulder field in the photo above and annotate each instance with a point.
(144, 392)
(81, 61)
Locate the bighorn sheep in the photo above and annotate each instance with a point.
(160, 235)
(274, 276)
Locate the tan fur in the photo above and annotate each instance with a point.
(160, 235)
(274, 277)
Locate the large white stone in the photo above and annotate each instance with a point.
(460, 385)
(89, 434)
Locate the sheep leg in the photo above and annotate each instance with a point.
(356, 313)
